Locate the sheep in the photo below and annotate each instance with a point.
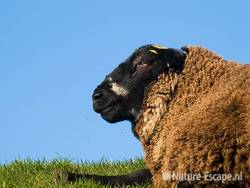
(198, 121)
(189, 108)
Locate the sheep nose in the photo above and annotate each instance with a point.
(97, 95)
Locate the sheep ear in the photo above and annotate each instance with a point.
(173, 58)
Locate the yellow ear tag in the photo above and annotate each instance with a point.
(160, 47)
(154, 51)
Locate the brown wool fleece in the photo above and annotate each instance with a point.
(198, 121)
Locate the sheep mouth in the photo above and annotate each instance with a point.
(100, 108)
(107, 109)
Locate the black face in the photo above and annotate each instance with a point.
(119, 97)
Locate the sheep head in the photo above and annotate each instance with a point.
(119, 97)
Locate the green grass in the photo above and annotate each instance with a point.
(29, 173)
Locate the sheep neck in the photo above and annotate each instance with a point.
(156, 102)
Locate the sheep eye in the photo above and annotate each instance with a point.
(139, 65)
(144, 64)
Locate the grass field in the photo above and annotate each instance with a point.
(37, 174)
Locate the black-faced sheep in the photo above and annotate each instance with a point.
(190, 109)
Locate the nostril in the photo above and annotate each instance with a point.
(97, 95)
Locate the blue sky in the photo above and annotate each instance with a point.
(53, 53)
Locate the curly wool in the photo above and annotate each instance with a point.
(199, 120)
